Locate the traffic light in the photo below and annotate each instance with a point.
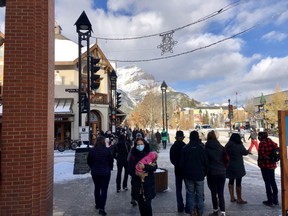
(118, 100)
(95, 78)
(95, 81)
(230, 114)
(84, 103)
(113, 116)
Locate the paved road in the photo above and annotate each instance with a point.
(75, 197)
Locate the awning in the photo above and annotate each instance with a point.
(63, 106)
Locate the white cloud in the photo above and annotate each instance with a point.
(273, 35)
(120, 5)
(283, 17)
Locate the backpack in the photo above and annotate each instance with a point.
(275, 156)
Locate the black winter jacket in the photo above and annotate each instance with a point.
(194, 161)
(120, 151)
(100, 160)
(215, 153)
(175, 155)
(149, 181)
(236, 167)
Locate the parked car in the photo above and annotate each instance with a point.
(204, 129)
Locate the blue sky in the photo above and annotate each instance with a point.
(251, 63)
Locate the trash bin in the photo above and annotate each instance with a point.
(161, 180)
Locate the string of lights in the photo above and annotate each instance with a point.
(209, 16)
(188, 52)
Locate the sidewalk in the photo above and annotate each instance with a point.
(75, 197)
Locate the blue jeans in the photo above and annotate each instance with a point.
(194, 193)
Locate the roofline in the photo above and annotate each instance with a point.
(64, 63)
(101, 55)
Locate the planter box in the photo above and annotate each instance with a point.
(161, 179)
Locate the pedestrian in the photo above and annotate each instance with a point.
(138, 135)
(100, 161)
(142, 192)
(194, 163)
(158, 137)
(216, 175)
(268, 167)
(253, 137)
(134, 132)
(120, 153)
(242, 133)
(235, 169)
(164, 138)
(175, 155)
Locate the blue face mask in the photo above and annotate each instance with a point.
(140, 147)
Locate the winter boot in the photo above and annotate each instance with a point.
(269, 201)
(231, 191)
(275, 199)
(214, 213)
(239, 195)
(133, 202)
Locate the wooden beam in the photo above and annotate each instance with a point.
(283, 142)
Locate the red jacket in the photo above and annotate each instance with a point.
(265, 149)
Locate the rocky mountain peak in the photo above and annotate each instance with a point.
(136, 83)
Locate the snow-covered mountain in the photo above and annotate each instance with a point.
(134, 83)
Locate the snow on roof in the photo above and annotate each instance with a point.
(65, 50)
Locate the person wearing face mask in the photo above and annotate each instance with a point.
(142, 192)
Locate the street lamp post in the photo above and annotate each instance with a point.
(166, 114)
(262, 109)
(113, 79)
(84, 29)
(229, 116)
(164, 105)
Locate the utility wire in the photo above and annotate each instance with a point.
(215, 13)
(191, 51)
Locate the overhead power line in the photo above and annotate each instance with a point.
(215, 13)
(184, 53)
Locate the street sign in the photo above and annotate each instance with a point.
(71, 90)
(84, 133)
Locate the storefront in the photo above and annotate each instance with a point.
(64, 118)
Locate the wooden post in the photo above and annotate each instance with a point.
(283, 139)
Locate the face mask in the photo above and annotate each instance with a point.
(140, 147)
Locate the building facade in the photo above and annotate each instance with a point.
(66, 107)
(66, 89)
